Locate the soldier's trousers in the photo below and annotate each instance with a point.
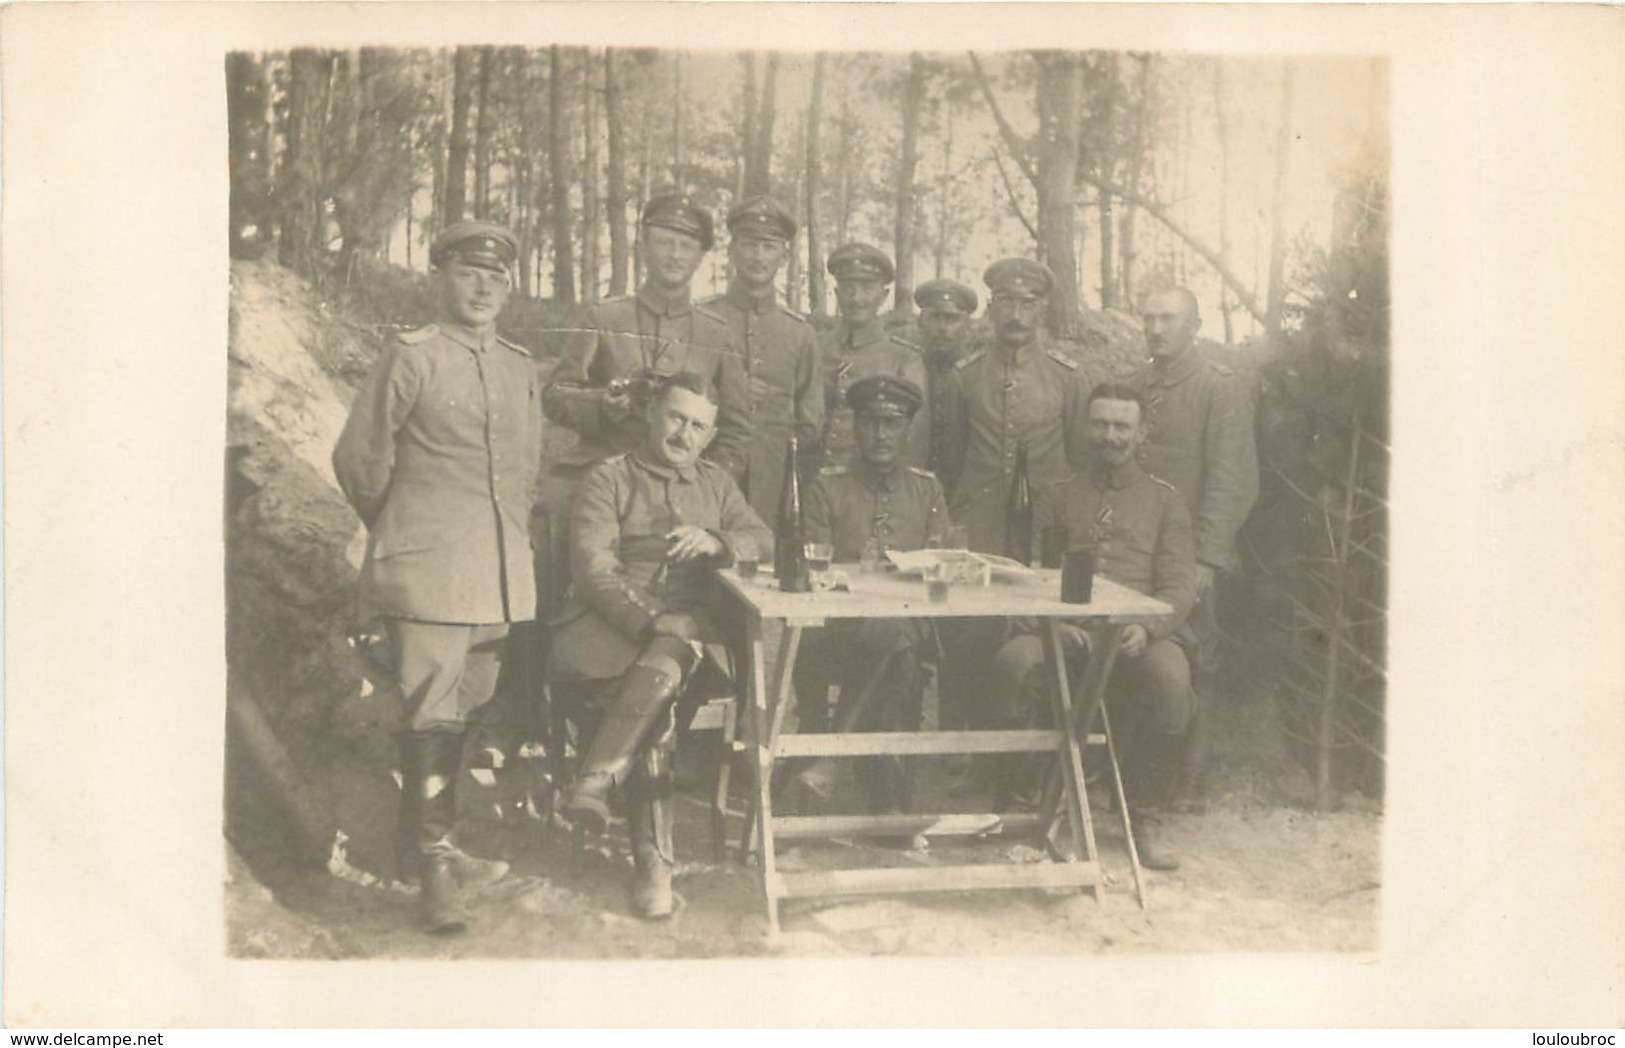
(444, 671)
(1149, 698)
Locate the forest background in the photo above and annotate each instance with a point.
(1260, 184)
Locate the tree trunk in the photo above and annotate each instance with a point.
(745, 155)
(558, 145)
(792, 274)
(249, 128)
(759, 170)
(1060, 83)
(945, 192)
(482, 137)
(462, 95)
(616, 178)
(589, 183)
(302, 212)
(1283, 153)
(645, 179)
(677, 121)
(843, 200)
(816, 288)
(1220, 105)
(1136, 161)
(1108, 254)
(913, 99)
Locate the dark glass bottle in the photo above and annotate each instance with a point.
(790, 533)
(1018, 512)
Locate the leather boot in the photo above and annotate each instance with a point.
(650, 825)
(1156, 773)
(645, 693)
(428, 816)
(812, 789)
(1020, 783)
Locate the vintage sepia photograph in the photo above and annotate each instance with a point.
(730, 503)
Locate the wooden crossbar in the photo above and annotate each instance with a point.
(802, 884)
(970, 824)
(877, 743)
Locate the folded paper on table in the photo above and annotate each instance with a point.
(956, 561)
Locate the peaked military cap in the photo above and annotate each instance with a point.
(945, 294)
(679, 211)
(860, 260)
(761, 217)
(1020, 275)
(885, 395)
(483, 244)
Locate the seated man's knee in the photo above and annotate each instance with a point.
(1018, 676)
(672, 656)
(1162, 676)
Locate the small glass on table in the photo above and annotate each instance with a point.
(937, 583)
(820, 556)
(746, 557)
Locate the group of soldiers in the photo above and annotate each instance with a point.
(684, 411)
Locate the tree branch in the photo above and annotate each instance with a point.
(1248, 300)
(1011, 139)
(1010, 190)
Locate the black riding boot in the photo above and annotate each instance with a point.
(1157, 765)
(644, 695)
(650, 828)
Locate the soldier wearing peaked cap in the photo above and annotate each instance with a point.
(440, 458)
(640, 629)
(780, 365)
(659, 331)
(945, 308)
(1144, 542)
(878, 503)
(859, 346)
(1019, 390)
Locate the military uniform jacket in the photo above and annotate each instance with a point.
(1200, 439)
(997, 400)
(1141, 525)
(781, 357)
(623, 511)
(647, 331)
(903, 508)
(440, 458)
(849, 354)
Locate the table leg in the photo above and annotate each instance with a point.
(770, 708)
(1122, 806)
(1073, 795)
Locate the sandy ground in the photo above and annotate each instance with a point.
(1255, 878)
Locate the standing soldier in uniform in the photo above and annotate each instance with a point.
(946, 307)
(440, 458)
(1199, 425)
(649, 528)
(1145, 543)
(658, 332)
(858, 346)
(781, 350)
(876, 504)
(1018, 391)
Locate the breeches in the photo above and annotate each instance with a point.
(1151, 691)
(849, 653)
(444, 671)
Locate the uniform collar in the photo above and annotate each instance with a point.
(647, 462)
(875, 478)
(740, 297)
(1022, 353)
(1116, 478)
(663, 303)
(1177, 370)
(861, 337)
(478, 341)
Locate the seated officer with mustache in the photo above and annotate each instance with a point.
(875, 504)
(1144, 536)
(637, 633)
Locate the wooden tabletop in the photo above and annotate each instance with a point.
(895, 595)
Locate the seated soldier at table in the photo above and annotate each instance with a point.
(649, 528)
(1143, 532)
(875, 504)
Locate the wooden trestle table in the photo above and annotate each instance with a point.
(899, 595)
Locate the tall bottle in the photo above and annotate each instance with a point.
(1018, 512)
(790, 533)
